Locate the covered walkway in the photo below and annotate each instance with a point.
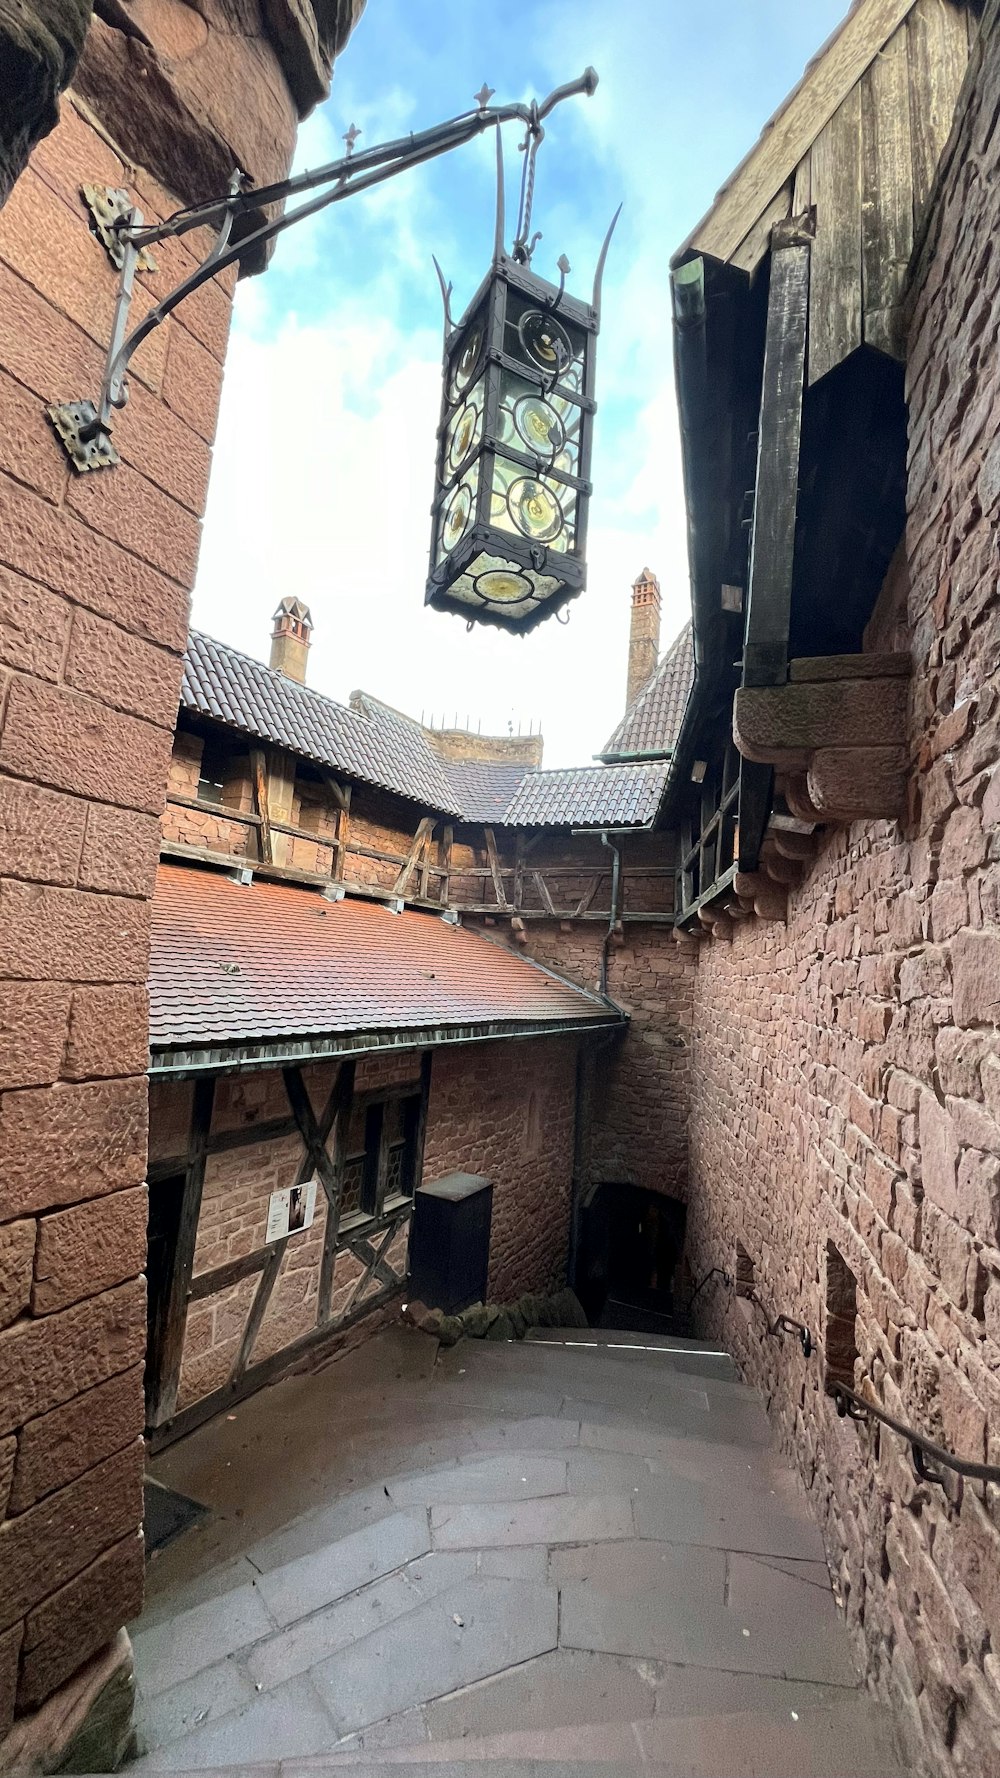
(588, 1556)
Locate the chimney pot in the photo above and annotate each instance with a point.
(290, 639)
(644, 634)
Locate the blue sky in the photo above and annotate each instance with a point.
(323, 469)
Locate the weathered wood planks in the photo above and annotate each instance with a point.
(937, 33)
(835, 301)
(887, 193)
(791, 133)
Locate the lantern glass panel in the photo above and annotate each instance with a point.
(548, 344)
(464, 431)
(533, 506)
(494, 583)
(539, 422)
(457, 512)
(467, 358)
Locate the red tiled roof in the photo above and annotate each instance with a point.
(588, 796)
(237, 965)
(653, 720)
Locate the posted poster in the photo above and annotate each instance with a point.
(291, 1211)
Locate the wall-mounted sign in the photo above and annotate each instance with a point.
(290, 1211)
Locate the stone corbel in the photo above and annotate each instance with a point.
(836, 735)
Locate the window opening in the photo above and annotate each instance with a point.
(841, 1341)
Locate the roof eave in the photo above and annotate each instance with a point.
(180, 1061)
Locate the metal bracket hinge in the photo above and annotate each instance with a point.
(109, 206)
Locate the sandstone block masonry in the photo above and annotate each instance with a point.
(845, 1133)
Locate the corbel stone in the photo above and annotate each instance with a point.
(836, 732)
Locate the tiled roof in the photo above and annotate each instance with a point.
(378, 746)
(371, 741)
(237, 965)
(589, 796)
(484, 791)
(653, 720)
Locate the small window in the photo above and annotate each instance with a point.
(222, 774)
(746, 1282)
(381, 1158)
(841, 1318)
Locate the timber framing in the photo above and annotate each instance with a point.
(368, 1237)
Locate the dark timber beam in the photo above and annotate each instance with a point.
(772, 542)
(163, 1396)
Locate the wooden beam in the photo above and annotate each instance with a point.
(519, 855)
(258, 1309)
(586, 899)
(341, 830)
(224, 1277)
(794, 128)
(772, 543)
(835, 298)
(444, 864)
(495, 871)
(543, 892)
(756, 800)
(163, 1397)
(220, 811)
(336, 1119)
(425, 828)
(258, 773)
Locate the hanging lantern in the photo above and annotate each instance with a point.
(513, 463)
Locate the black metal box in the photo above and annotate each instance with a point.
(450, 1241)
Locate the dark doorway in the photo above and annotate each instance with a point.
(165, 1199)
(631, 1242)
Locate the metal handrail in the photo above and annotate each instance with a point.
(857, 1407)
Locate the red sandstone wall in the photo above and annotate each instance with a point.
(505, 1110)
(846, 1078)
(95, 573)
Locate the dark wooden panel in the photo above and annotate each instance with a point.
(939, 54)
(339, 1110)
(772, 547)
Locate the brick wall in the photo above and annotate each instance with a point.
(95, 573)
(506, 1110)
(846, 1106)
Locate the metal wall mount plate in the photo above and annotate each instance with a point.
(72, 420)
(108, 205)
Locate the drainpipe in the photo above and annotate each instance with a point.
(612, 923)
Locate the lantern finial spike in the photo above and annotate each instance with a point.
(599, 274)
(446, 290)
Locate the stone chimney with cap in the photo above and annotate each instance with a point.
(290, 639)
(644, 635)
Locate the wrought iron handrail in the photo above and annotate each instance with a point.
(858, 1407)
(713, 1272)
(783, 1324)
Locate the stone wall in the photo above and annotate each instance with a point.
(845, 1125)
(95, 577)
(506, 1110)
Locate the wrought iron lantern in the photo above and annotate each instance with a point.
(514, 442)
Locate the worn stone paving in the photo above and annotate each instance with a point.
(549, 1556)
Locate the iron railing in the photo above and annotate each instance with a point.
(929, 1458)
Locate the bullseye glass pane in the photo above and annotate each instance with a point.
(495, 584)
(457, 512)
(465, 431)
(533, 506)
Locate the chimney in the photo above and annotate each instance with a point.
(290, 639)
(644, 635)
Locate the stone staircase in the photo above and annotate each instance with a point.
(580, 1554)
